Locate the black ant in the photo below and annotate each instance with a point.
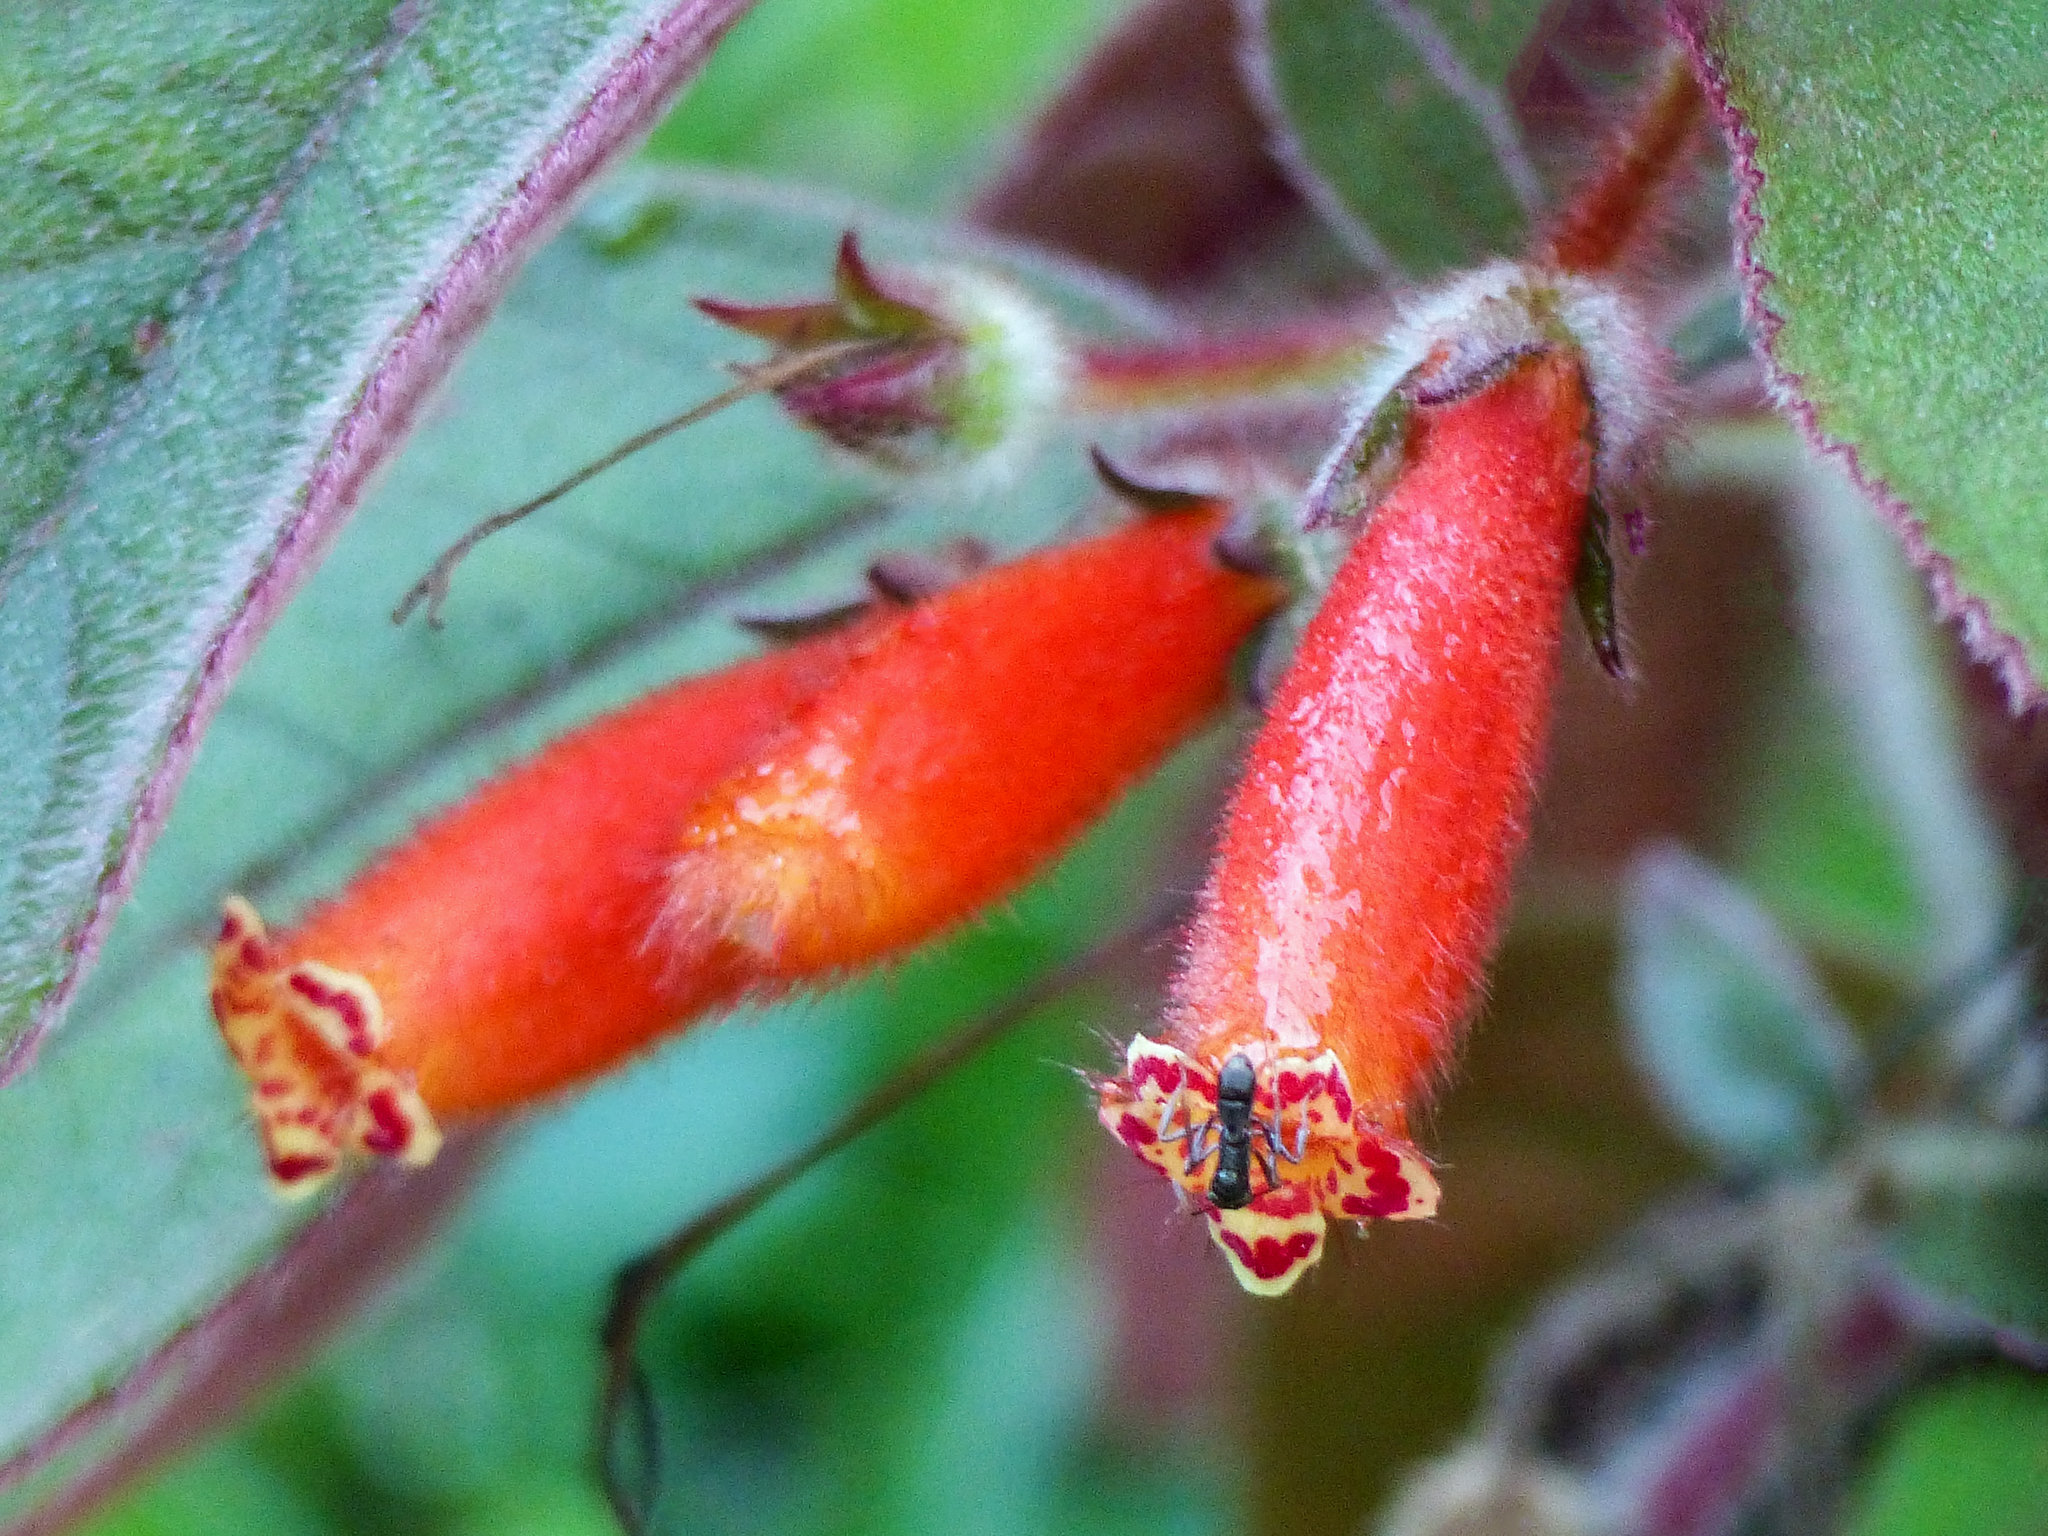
(1232, 1135)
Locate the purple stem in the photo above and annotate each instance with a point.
(269, 1323)
(1718, 1458)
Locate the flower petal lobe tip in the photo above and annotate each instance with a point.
(1317, 1157)
(308, 1036)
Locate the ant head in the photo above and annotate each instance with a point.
(1239, 1079)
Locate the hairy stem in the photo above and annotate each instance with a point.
(1220, 370)
(1617, 212)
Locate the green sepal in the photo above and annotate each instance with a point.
(870, 310)
(1593, 587)
(1156, 500)
(1356, 483)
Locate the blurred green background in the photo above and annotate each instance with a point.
(903, 101)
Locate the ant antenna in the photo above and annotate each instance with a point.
(432, 588)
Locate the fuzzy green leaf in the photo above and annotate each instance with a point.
(1399, 123)
(1897, 250)
(1735, 1032)
(1967, 1219)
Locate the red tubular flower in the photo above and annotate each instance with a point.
(839, 800)
(502, 951)
(971, 739)
(1365, 857)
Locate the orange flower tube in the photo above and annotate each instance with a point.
(971, 739)
(1364, 860)
(837, 802)
(502, 951)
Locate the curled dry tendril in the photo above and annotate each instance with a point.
(628, 1427)
(432, 588)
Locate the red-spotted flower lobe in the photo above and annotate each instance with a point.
(1364, 859)
(972, 738)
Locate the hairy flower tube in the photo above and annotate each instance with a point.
(972, 738)
(807, 812)
(1364, 860)
(502, 952)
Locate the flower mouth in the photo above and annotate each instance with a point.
(309, 1038)
(1310, 1155)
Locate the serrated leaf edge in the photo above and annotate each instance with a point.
(1980, 631)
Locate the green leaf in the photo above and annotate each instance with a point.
(1398, 124)
(131, 1195)
(243, 238)
(1738, 1036)
(1965, 1455)
(1897, 254)
(1966, 1213)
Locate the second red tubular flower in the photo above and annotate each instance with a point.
(1365, 857)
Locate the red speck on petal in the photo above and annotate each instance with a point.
(389, 1129)
(1269, 1258)
(344, 1005)
(1340, 1091)
(1392, 1191)
(1291, 1088)
(290, 1170)
(1284, 1200)
(253, 956)
(1156, 1069)
(1134, 1132)
(1388, 1191)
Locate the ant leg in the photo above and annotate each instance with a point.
(1276, 1137)
(1201, 1143)
(1265, 1157)
(1166, 1117)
